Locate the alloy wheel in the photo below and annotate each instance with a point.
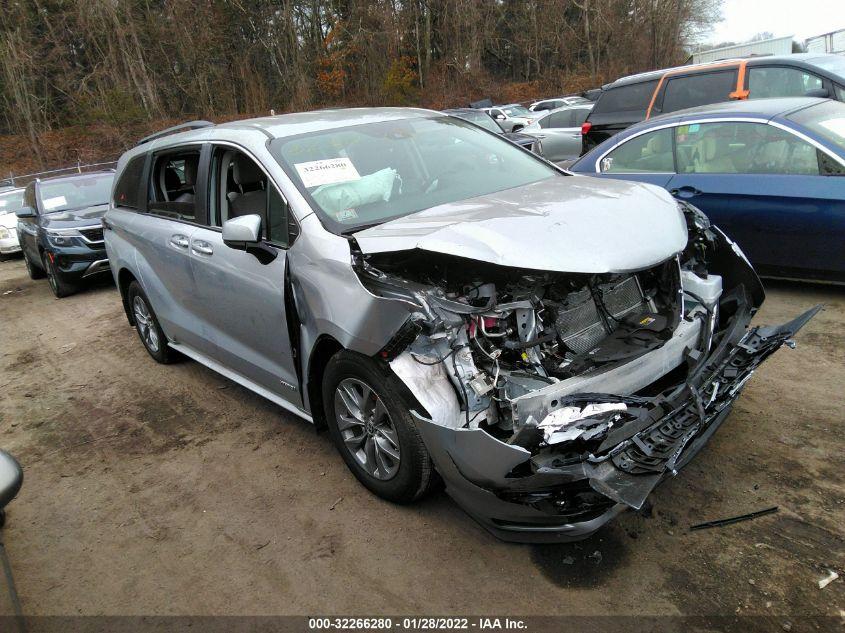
(365, 426)
(146, 326)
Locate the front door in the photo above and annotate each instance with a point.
(772, 192)
(560, 133)
(647, 157)
(242, 300)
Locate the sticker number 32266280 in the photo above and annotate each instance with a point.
(326, 172)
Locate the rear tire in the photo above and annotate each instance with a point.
(59, 286)
(34, 271)
(370, 424)
(146, 324)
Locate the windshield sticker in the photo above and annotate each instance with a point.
(837, 126)
(52, 203)
(327, 172)
(346, 214)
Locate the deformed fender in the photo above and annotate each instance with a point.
(330, 299)
(475, 454)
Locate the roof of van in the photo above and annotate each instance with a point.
(796, 58)
(282, 125)
(760, 108)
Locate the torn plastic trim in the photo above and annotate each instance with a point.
(479, 468)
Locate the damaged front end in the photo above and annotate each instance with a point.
(551, 402)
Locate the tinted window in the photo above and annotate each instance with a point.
(780, 82)
(240, 187)
(826, 119)
(366, 174)
(696, 90)
(579, 116)
(173, 186)
(129, 190)
(651, 152)
(560, 119)
(840, 92)
(74, 193)
(29, 197)
(481, 119)
(631, 97)
(743, 148)
(11, 201)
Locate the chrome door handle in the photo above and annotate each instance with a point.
(201, 247)
(179, 240)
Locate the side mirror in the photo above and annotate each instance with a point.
(818, 92)
(500, 117)
(11, 478)
(244, 234)
(25, 212)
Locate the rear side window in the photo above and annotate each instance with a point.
(626, 98)
(780, 81)
(696, 90)
(579, 116)
(646, 153)
(173, 185)
(129, 190)
(743, 148)
(560, 119)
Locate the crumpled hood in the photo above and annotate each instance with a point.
(75, 217)
(574, 224)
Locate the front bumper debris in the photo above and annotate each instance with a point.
(555, 496)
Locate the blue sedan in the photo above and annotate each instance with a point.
(769, 172)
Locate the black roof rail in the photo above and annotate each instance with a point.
(182, 127)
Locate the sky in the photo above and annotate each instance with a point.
(802, 19)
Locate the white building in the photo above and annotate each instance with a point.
(774, 46)
(828, 43)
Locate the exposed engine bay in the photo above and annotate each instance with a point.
(559, 397)
(504, 333)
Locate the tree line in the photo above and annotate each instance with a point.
(118, 62)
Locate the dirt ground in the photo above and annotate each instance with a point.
(156, 489)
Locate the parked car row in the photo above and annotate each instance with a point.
(639, 97)
(447, 304)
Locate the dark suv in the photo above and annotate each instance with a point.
(60, 231)
(635, 98)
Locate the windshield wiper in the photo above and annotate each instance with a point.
(360, 227)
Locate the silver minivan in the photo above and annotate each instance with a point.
(447, 304)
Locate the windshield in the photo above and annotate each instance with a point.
(75, 193)
(363, 175)
(11, 201)
(482, 119)
(826, 119)
(516, 111)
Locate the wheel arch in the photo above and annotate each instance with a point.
(324, 349)
(124, 278)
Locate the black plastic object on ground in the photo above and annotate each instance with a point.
(736, 519)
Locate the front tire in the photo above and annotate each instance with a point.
(146, 324)
(370, 424)
(59, 286)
